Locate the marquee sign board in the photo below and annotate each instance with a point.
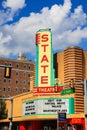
(48, 106)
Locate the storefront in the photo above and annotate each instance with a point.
(70, 124)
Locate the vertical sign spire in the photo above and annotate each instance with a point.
(44, 59)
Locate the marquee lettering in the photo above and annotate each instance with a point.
(44, 68)
(44, 46)
(44, 37)
(44, 58)
(44, 79)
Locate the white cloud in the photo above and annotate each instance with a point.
(68, 28)
(14, 4)
(10, 8)
(4, 42)
(4, 39)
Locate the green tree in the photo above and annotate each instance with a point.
(3, 111)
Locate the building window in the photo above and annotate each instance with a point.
(16, 81)
(9, 89)
(24, 65)
(4, 80)
(4, 89)
(0, 89)
(16, 90)
(9, 80)
(16, 73)
(29, 83)
(29, 67)
(24, 89)
(24, 82)
(17, 65)
(24, 74)
(28, 75)
(10, 64)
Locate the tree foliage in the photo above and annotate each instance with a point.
(3, 110)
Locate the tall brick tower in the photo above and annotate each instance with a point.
(74, 69)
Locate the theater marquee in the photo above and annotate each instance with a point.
(48, 106)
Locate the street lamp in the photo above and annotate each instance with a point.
(11, 110)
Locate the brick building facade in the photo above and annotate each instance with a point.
(21, 72)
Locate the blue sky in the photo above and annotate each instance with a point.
(20, 19)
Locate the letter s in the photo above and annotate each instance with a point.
(44, 37)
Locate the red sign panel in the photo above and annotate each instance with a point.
(46, 90)
(41, 38)
(76, 121)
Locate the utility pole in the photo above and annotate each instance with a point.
(85, 101)
(11, 113)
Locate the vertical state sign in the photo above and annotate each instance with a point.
(44, 59)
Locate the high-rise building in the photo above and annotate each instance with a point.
(21, 72)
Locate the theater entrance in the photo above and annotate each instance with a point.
(49, 125)
(70, 124)
(52, 125)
